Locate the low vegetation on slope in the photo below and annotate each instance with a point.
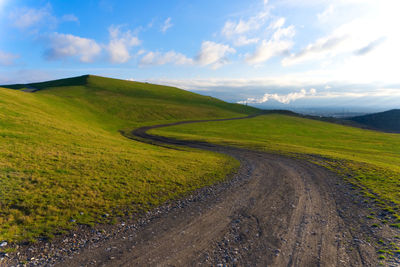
(63, 161)
(114, 104)
(370, 157)
(388, 121)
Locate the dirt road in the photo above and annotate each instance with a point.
(276, 211)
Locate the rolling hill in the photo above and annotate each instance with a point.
(63, 161)
(367, 158)
(388, 121)
(119, 102)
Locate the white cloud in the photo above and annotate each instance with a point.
(171, 57)
(279, 44)
(239, 31)
(281, 33)
(213, 54)
(28, 17)
(323, 16)
(233, 28)
(287, 88)
(277, 23)
(210, 54)
(7, 58)
(120, 43)
(237, 84)
(267, 50)
(370, 47)
(318, 50)
(166, 25)
(243, 40)
(141, 52)
(284, 99)
(285, 84)
(69, 18)
(364, 41)
(68, 45)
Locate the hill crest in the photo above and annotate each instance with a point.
(388, 121)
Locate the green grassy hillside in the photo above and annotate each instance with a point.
(371, 157)
(116, 104)
(63, 161)
(388, 121)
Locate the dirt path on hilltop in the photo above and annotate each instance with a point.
(276, 211)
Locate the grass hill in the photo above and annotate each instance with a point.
(63, 161)
(118, 102)
(388, 121)
(371, 158)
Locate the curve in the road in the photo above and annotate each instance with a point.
(278, 212)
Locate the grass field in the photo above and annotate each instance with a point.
(63, 161)
(371, 158)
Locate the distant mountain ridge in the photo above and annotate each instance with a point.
(388, 121)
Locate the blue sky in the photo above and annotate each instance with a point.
(284, 52)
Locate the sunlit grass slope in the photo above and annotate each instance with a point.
(372, 157)
(63, 162)
(116, 104)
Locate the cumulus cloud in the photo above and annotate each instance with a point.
(67, 45)
(267, 50)
(243, 40)
(213, 54)
(232, 28)
(280, 43)
(238, 31)
(120, 44)
(166, 25)
(171, 57)
(7, 58)
(284, 99)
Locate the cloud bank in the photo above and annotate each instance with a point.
(284, 99)
(171, 57)
(210, 54)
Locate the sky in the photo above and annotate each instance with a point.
(282, 53)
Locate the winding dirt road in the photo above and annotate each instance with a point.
(276, 211)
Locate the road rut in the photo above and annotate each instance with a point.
(278, 211)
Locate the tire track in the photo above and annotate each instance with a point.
(281, 212)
